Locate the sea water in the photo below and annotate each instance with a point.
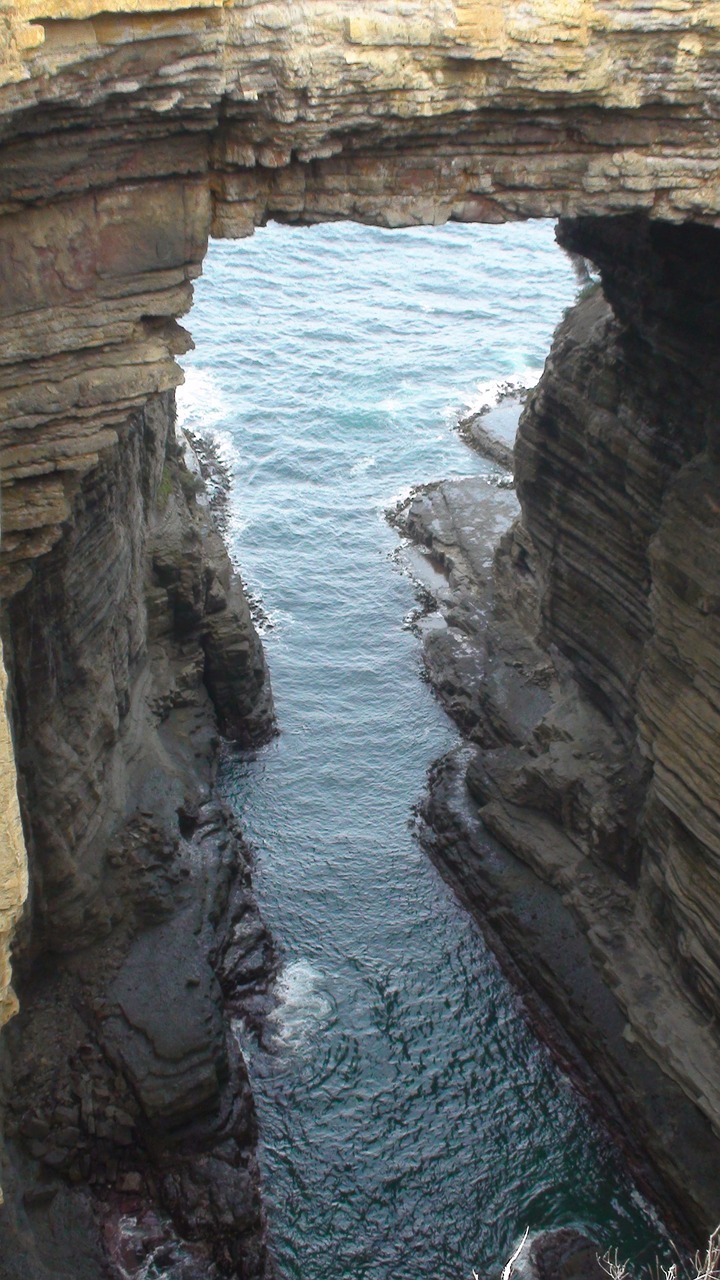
(412, 1126)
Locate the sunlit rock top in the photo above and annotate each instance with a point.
(612, 104)
(129, 134)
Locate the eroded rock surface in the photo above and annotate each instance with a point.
(565, 1254)
(127, 1094)
(127, 136)
(128, 132)
(580, 825)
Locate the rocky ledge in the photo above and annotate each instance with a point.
(129, 1123)
(577, 820)
(560, 926)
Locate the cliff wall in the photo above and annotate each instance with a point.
(124, 1088)
(129, 133)
(617, 475)
(581, 821)
(622, 440)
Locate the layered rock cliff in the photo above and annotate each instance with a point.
(643, 643)
(581, 667)
(125, 1088)
(129, 135)
(129, 132)
(134, 613)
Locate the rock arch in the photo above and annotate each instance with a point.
(130, 133)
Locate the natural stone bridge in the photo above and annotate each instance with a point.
(129, 137)
(131, 132)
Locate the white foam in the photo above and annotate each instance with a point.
(488, 394)
(361, 466)
(202, 407)
(304, 1005)
(392, 404)
(397, 500)
(135, 1230)
(201, 402)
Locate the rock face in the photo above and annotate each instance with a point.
(126, 1090)
(131, 131)
(557, 1255)
(582, 825)
(143, 621)
(130, 1125)
(129, 135)
(624, 428)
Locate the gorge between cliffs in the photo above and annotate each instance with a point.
(392, 1023)
(185, 1042)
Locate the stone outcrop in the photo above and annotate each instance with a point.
(126, 1090)
(144, 620)
(557, 1255)
(582, 824)
(625, 427)
(130, 1125)
(129, 132)
(128, 136)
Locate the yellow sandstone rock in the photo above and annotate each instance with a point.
(13, 864)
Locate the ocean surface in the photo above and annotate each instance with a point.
(412, 1126)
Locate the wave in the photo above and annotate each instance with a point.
(304, 1006)
(491, 392)
(201, 401)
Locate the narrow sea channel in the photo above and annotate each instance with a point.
(412, 1126)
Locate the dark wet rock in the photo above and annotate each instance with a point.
(167, 1034)
(121, 1073)
(582, 666)
(566, 1254)
(217, 1199)
(137, 1085)
(139, 1240)
(54, 1235)
(234, 673)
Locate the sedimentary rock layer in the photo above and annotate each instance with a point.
(131, 131)
(132, 614)
(128, 136)
(583, 670)
(126, 1091)
(617, 476)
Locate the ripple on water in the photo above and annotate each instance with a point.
(411, 1125)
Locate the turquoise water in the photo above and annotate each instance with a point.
(412, 1126)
